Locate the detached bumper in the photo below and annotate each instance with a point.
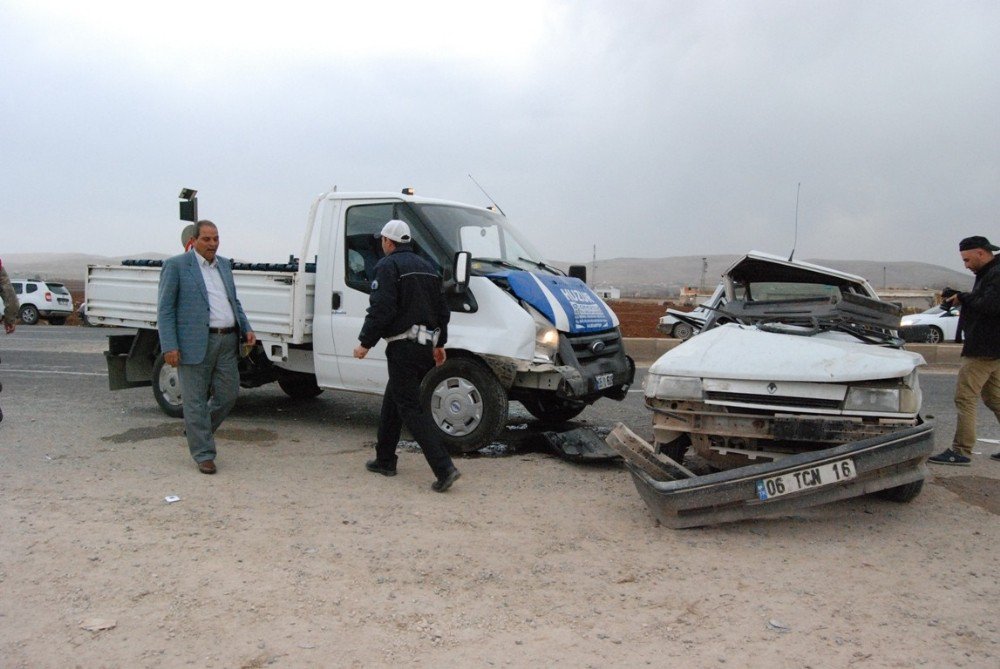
(880, 463)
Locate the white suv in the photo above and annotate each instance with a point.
(42, 299)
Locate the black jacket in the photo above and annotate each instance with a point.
(406, 292)
(980, 316)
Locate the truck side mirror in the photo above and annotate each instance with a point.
(461, 271)
(578, 272)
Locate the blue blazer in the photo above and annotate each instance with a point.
(182, 307)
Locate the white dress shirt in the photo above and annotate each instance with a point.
(220, 312)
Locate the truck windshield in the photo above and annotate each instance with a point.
(486, 235)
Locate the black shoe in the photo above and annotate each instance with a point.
(444, 482)
(949, 457)
(374, 467)
(995, 456)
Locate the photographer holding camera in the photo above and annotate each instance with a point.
(979, 322)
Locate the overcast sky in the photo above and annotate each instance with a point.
(650, 128)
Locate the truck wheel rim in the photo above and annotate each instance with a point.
(170, 385)
(457, 406)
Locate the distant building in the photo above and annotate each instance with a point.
(608, 292)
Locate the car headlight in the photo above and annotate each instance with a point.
(546, 337)
(673, 387)
(904, 398)
(906, 322)
(872, 400)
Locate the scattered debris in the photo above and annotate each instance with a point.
(98, 624)
(170, 499)
(581, 444)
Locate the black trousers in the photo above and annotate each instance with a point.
(409, 362)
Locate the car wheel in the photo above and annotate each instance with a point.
(167, 388)
(934, 335)
(902, 493)
(28, 314)
(57, 320)
(552, 409)
(466, 402)
(683, 331)
(299, 386)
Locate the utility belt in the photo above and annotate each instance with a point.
(419, 334)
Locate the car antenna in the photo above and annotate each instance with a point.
(795, 240)
(488, 196)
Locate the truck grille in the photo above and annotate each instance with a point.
(771, 400)
(592, 346)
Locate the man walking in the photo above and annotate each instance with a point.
(979, 322)
(409, 311)
(201, 322)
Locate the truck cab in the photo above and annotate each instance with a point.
(520, 329)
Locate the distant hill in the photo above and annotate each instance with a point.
(64, 267)
(635, 277)
(662, 277)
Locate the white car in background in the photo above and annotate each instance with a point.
(942, 324)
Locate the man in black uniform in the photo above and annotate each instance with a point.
(409, 311)
(979, 376)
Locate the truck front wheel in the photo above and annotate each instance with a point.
(167, 388)
(466, 402)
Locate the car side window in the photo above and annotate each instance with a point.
(363, 249)
(18, 288)
(30, 288)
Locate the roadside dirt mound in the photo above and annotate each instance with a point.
(640, 317)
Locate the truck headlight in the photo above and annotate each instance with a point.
(673, 387)
(546, 338)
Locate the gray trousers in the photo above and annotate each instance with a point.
(209, 391)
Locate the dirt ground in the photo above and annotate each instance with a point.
(294, 556)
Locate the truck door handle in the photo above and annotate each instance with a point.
(335, 303)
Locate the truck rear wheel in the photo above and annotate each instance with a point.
(299, 386)
(552, 409)
(466, 402)
(167, 388)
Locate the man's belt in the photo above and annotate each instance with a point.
(222, 330)
(419, 334)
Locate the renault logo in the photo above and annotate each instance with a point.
(597, 347)
(771, 388)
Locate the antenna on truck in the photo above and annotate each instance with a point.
(795, 240)
(488, 196)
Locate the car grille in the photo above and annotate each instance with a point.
(771, 400)
(592, 346)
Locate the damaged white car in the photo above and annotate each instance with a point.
(796, 393)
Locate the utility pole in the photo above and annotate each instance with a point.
(593, 268)
(704, 270)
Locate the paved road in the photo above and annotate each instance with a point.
(59, 373)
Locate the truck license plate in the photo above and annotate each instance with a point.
(808, 477)
(604, 380)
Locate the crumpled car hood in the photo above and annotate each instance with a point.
(740, 352)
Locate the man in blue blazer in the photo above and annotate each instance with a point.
(201, 322)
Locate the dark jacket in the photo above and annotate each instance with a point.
(406, 292)
(980, 316)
